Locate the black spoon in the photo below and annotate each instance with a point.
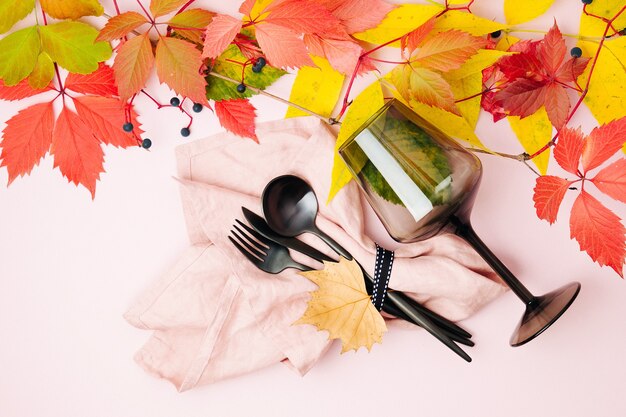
(290, 209)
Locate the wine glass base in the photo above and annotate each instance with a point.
(542, 312)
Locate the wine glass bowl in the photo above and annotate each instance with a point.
(419, 181)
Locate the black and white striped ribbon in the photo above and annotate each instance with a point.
(382, 273)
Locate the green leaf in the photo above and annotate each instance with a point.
(18, 55)
(72, 45)
(219, 89)
(12, 12)
(42, 73)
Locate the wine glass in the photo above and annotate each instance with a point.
(419, 181)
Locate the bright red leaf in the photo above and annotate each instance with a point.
(569, 148)
(121, 25)
(26, 139)
(303, 16)
(219, 34)
(522, 97)
(132, 65)
(282, 47)
(238, 117)
(100, 82)
(77, 153)
(557, 104)
(611, 180)
(19, 91)
(599, 232)
(552, 50)
(104, 117)
(603, 142)
(549, 192)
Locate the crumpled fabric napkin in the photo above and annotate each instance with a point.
(215, 316)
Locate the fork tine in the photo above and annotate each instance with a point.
(265, 241)
(248, 243)
(256, 261)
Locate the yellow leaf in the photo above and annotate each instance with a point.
(63, 9)
(477, 63)
(12, 12)
(455, 2)
(467, 22)
(163, 7)
(520, 11)
(505, 42)
(399, 22)
(594, 27)
(316, 89)
(362, 108)
(42, 73)
(342, 306)
(18, 55)
(533, 132)
(606, 97)
(463, 88)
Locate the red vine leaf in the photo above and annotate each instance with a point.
(238, 117)
(522, 97)
(26, 139)
(557, 104)
(76, 151)
(603, 142)
(303, 16)
(20, 91)
(121, 25)
(342, 54)
(611, 180)
(178, 65)
(552, 50)
(599, 232)
(359, 15)
(100, 82)
(132, 65)
(104, 117)
(219, 34)
(246, 7)
(572, 69)
(448, 50)
(282, 47)
(569, 148)
(549, 192)
(163, 7)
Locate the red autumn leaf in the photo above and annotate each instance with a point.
(100, 82)
(611, 180)
(26, 139)
(219, 34)
(448, 50)
(282, 47)
(104, 117)
(552, 50)
(413, 39)
(121, 25)
(521, 65)
(19, 91)
(522, 97)
(571, 69)
(569, 148)
(237, 116)
(492, 106)
(342, 54)
(163, 7)
(557, 104)
(359, 15)
(599, 232)
(178, 65)
(132, 65)
(302, 16)
(603, 142)
(77, 153)
(549, 192)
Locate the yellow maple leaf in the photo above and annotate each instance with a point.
(520, 11)
(533, 132)
(316, 89)
(361, 109)
(342, 306)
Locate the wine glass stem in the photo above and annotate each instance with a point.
(466, 231)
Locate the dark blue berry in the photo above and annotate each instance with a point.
(128, 127)
(184, 132)
(576, 52)
(174, 101)
(587, 1)
(146, 143)
(197, 107)
(261, 61)
(256, 68)
(241, 88)
(496, 34)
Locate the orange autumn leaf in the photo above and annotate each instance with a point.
(448, 50)
(132, 65)
(219, 34)
(602, 143)
(549, 193)
(19, 91)
(178, 65)
(569, 148)
(163, 7)
(303, 16)
(611, 180)
(26, 139)
(237, 116)
(121, 25)
(100, 82)
(104, 116)
(342, 306)
(283, 47)
(191, 23)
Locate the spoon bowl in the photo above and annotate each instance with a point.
(289, 205)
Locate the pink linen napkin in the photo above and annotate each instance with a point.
(214, 315)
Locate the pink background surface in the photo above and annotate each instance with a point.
(70, 267)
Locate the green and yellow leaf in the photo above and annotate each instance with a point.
(42, 73)
(64, 9)
(533, 132)
(12, 12)
(18, 55)
(520, 11)
(316, 89)
(191, 23)
(73, 46)
(361, 109)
